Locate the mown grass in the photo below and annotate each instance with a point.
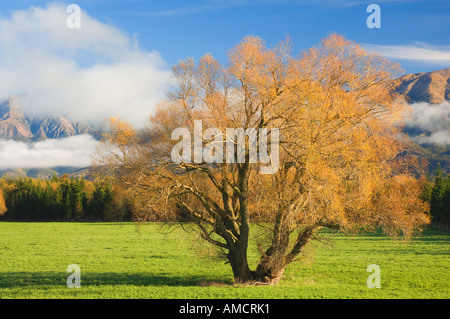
(120, 261)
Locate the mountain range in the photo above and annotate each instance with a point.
(432, 87)
(429, 89)
(17, 125)
(46, 173)
(428, 134)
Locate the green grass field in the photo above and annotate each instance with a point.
(119, 261)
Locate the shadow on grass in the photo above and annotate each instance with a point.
(29, 279)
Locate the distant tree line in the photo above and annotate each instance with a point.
(437, 193)
(76, 199)
(63, 199)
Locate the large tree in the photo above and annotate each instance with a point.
(337, 162)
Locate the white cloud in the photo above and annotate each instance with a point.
(70, 151)
(417, 52)
(429, 116)
(440, 138)
(434, 118)
(89, 73)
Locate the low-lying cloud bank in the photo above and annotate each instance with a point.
(434, 118)
(70, 151)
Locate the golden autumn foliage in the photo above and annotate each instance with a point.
(340, 160)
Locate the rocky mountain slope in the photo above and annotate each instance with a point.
(428, 132)
(15, 124)
(432, 87)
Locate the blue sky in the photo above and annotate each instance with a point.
(118, 62)
(179, 29)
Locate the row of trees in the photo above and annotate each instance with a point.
(62, 199)
(72, 199)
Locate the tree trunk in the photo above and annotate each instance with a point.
(270, 269)
(274, 260)
(239, 264)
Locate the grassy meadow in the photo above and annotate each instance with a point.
(120, 260)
